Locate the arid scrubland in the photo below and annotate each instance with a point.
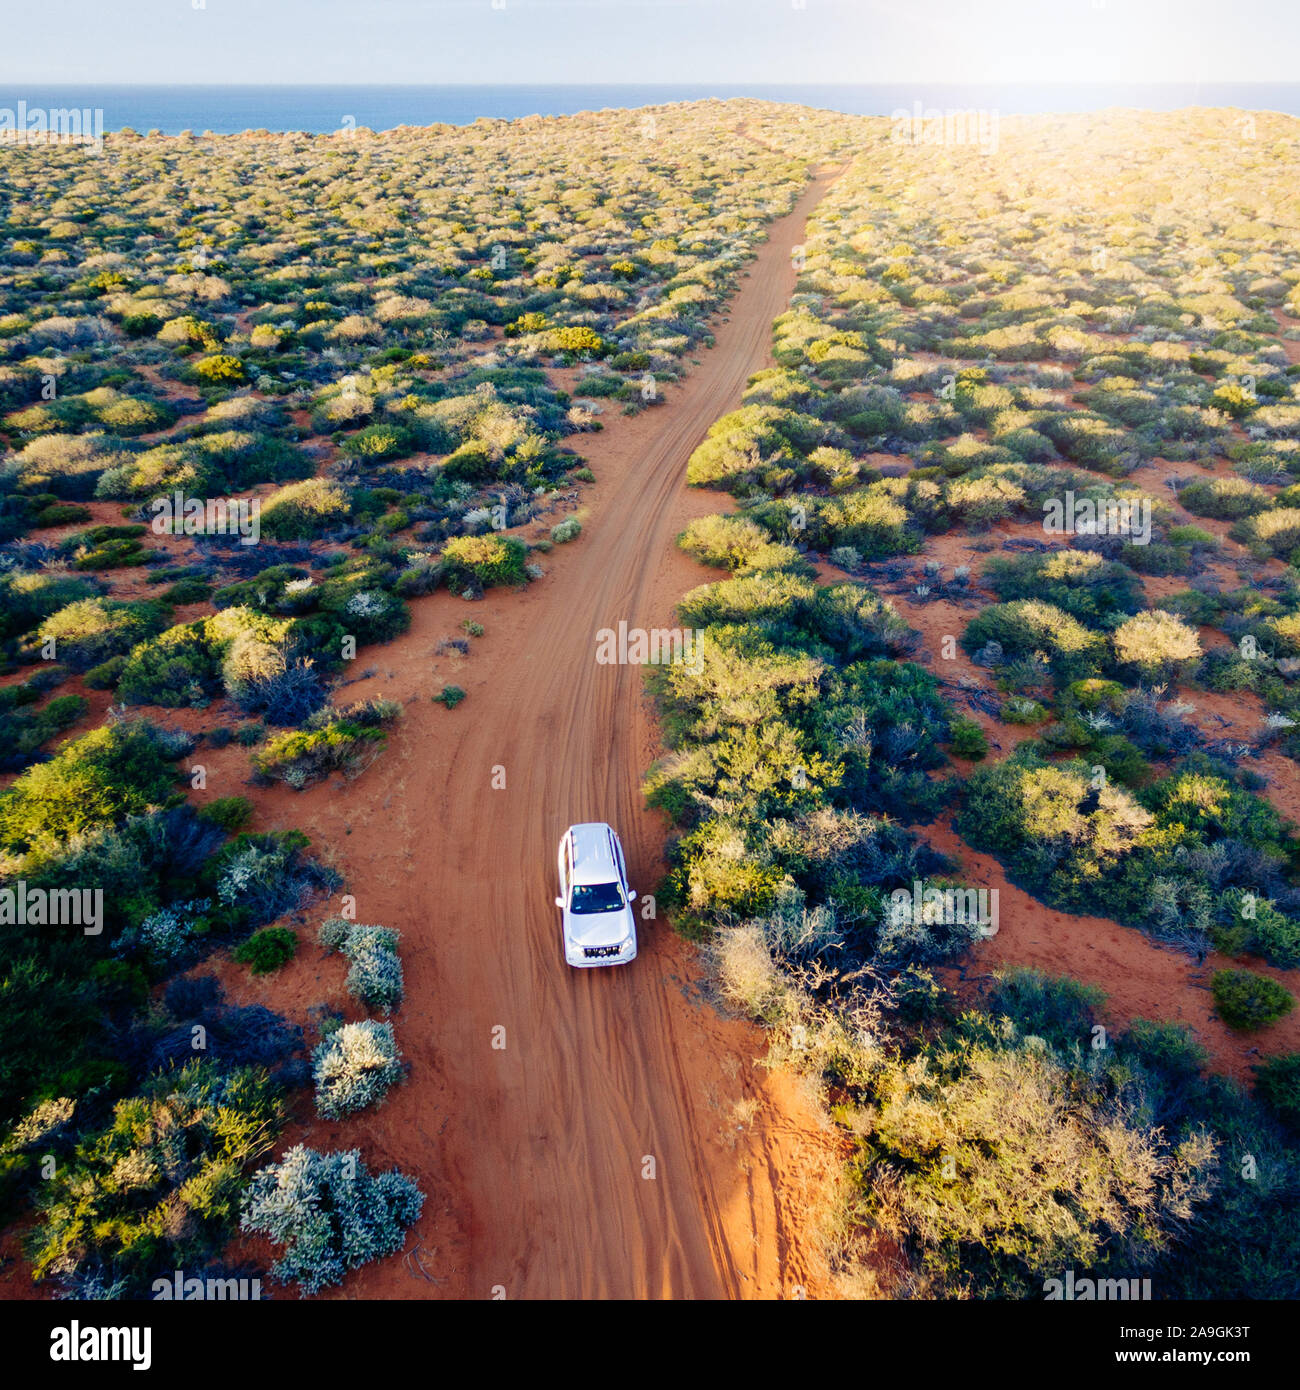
(1013, 528)
(257, 395)
(1012, 558)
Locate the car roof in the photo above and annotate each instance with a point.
(593, 853)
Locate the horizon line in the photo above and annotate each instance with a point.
(690, 82)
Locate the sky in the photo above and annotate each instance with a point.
(697, 41)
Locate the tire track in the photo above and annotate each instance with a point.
(549, 1141)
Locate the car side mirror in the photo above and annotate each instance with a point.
(559, 902)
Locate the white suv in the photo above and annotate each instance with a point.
(598, 922)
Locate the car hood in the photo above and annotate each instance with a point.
(598, 928)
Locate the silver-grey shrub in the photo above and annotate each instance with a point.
(330, 1214)
(355, 1067)
(375, 976)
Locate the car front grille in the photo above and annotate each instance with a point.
(600, 952)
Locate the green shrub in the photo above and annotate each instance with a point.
(741, 447)
(1122, 760)
(107, 547)
(228, 813)
(156, 472)
(1078, 582)
(966, 739)
(1025, 626)
(1247, 1001)
(1277, 532)
(978, 501)
(256, 878)
(485, 561)
(1035, 817)
(176, 669)
(134, 1201)
(304, 510)
(731, 542)
(422, 575)
(141, 325)
(1066, 1179)
(1277, 1083)
(450, 696)
(24, 732)
(378, 441)
(90, 783)
(88, 632)
(62, 514)
(267, 950)
(1094, 693)
(1022, 711)
(1057, 1009)
(186, 591)
(879, 520)
(27, 598)
(68, 466)
(471, 462)
(1228, 498)
(346, 741)
(356, 601)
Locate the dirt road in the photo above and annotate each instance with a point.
(619, 1140)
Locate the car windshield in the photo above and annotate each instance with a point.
(596, 897)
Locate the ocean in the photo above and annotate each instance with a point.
(320, 110)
